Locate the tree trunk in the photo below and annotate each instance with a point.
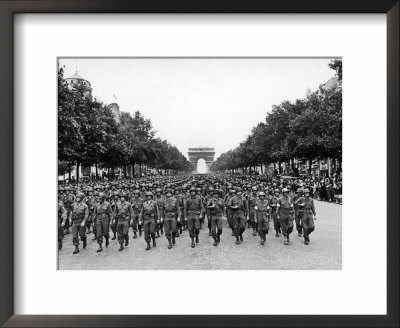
(293, 164)
(279, 167)
(108, 173)
(262, 171)
(97, 172)
(309, 171)
(69, 172)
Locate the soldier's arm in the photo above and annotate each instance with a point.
(313, 207)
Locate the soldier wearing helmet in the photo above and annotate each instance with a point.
(114, 202)
(170, 216)
(297, 216)
(285, 214)
(273, 204)
(238, 205)
(215, 205)
(90, 202)
(228, 211)
(80, 214)
(136, 202)
(103, 215)
(148, 216)
(207, 212)
(308, 214)
(193, 210)
(263, 213)
(61, 219)
(251, 201)
(159, 198)
(68, 202)
(123, 217)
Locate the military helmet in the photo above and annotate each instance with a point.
(158, 190)
(288, 187)
(284, 190)
(262, 193)
(306, 190)
(254, 188)
(238, 189)
(116, 193)
(192, 189)
(102, 195)
(149, 193)
(122, 194)
(80, 195)
(136, 191)
(277, 190)
(96, 193)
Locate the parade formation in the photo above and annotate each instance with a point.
(174, 205)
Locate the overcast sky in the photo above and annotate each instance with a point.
(201, 102)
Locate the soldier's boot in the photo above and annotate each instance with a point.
(99, 249)
(134, 235)
(169, 243)
(197, 238)
(158, 234)
(215, 242)
(148, 246)
(237, 241)
(285, 240)
(114, 237)
(192, 244)
(173, 240)
(59, 244)
(241, 237)
(121, 246)
(154, 241)
(126, 242)
(84, 244)
(76, 251)
(262, 241)
(107, 241)
(300, 233)
(140, 232)
(209, 233)
(306, 240)
(94, 238)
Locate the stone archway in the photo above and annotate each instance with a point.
(206, 153)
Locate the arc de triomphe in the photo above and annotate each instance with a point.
(205, 153)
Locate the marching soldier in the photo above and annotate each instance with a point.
(170, 216)
(90, 203)
(228, 196)
(80, 214)
(61, 217)
(114, 202)
(238, 205)
(297, 216)
(160, 200)
(262, 213)
(68, 201)
(136, 203)
(273, 203)
(102, 217)
(307, 211)
(95, 201)
(123, 216)
(251, 201)
(285, 214)
(215, 205)
(193, 210)
(148, 214)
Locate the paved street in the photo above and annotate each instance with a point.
(323, 253)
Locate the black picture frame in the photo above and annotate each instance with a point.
(7, 198)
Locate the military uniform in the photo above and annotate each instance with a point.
(123, 215)
(148, 214)
(307, 210)
(159, 226)
(113, 205)
(61, 217)
(238, 205)
(215, 206)
(80, 214)
(251, 201)
(286, 216)
(273, 203)
(297, 216)
(170, 215)
(68, 202)
(136, 203)
(103, 215)
(193, 209)
(262, 213)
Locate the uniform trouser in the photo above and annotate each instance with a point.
(252, 216)
(95, 228)
(89, 221)
(238, 222)
(78, 230)
(208, 220)
(229, 218)
(149, 227)
(122, 231)
(297, 218)
(308, 223)
(286, 223)
(102, 228)
(193, 224)
(135, 221)
(114, 227)
(69, 215)
(216, 225)
(263, 224)
(170, 227)
(60, 232)
(277, 222)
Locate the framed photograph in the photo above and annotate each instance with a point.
(196, 155)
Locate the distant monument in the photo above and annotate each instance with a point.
(206, 153)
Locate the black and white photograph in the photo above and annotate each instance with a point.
(199, 163)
